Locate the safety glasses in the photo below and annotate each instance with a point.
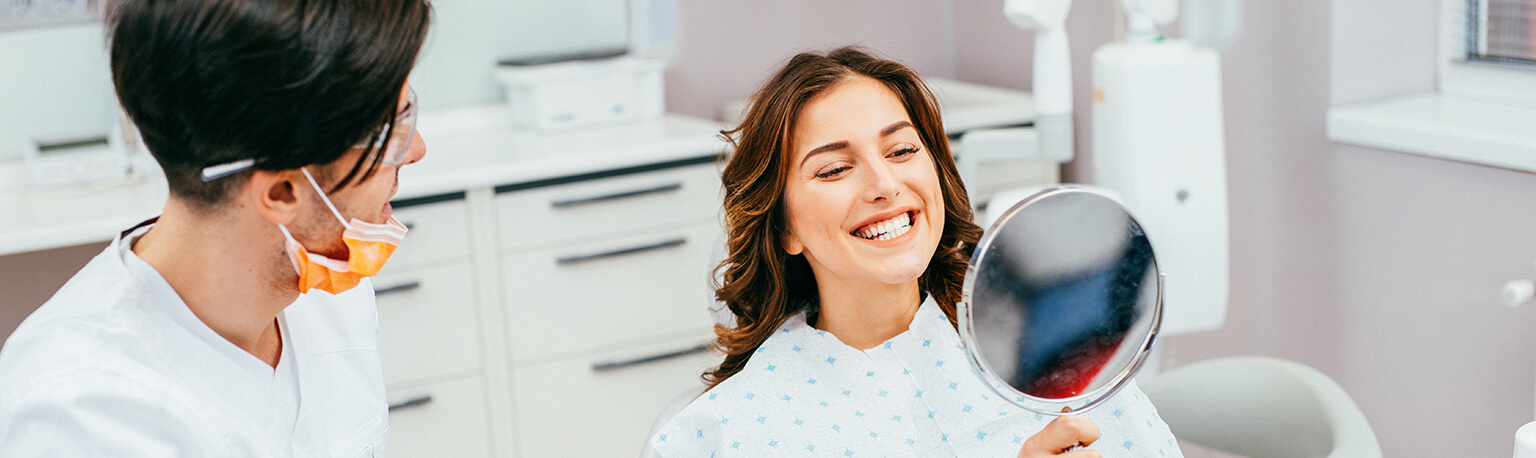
(394, 147)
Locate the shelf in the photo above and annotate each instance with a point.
(1432, 125)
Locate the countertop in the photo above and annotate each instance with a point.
(467, 148)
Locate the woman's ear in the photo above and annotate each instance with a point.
(275, 195)
(792, 243)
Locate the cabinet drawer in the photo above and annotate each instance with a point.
(585, 210)
(444, 419)
(615, 292)
(561, 404)
(428, 322)
(439, 231)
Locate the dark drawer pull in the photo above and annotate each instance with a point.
(398, 288)
(579, 201)
(580, 258)
(604, 366)
(412, 402)
(409, 225)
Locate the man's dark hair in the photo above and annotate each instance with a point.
(288, 83)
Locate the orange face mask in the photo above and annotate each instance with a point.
(368, 248)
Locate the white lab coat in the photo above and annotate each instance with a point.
(805, 393)
(115, 364)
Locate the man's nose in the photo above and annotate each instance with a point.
(417, 151)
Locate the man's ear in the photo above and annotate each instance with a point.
(275, 195)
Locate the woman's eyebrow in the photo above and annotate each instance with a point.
(837, 145)
(834, 146)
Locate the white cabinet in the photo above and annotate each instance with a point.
(569, 407)
(610, 293)
(427, 321)
(514, 322)
(594, 209)
(446, 419)
(604, 284)
(439, 231)
(430, 340)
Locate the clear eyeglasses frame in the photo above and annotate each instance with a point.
(401, 137)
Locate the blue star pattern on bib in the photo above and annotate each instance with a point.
(899, 398)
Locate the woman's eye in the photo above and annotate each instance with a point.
(833, 172)
(904, 152)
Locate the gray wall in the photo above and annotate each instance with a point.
(730, 47)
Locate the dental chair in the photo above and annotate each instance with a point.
(1261, 407)
(673, 407)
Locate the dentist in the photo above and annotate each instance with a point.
(239, 323)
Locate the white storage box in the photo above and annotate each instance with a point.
(583, 93)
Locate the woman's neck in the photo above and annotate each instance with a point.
(867, 314)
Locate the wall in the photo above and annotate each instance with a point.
(727, 48)
(1381, 269)
(29, 279)
(1426, 245)
(730, 48)
(55, 83)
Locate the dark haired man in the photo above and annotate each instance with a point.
(240, 322)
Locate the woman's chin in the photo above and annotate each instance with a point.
(899, 275)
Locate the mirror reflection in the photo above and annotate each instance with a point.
(1062, 300)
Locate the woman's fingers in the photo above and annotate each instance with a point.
(1060, 435)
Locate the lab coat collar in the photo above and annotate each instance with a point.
(223, 371)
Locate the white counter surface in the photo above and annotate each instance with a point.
(466, 149)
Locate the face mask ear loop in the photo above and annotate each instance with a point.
(289, 236)
(323, 198)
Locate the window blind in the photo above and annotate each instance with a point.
(1501, 31)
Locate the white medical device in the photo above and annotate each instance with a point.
(1159, 140)
(1052, 70)
(78, 161)
(587, 62)
(576, 93)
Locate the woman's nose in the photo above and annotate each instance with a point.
(882, 182)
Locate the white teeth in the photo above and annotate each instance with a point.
(888, 229)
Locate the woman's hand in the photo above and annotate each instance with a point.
(1060, 435)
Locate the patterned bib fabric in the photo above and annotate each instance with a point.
(805, 393)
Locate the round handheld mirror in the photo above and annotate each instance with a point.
(1061, 301)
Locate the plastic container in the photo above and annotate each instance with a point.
(572, 94)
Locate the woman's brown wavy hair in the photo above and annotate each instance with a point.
(761, 283)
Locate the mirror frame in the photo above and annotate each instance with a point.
(1066, 406)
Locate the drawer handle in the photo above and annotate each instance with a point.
(580, 258)
(401, 287)
(604, 366)
(412, 402)
(579, 201)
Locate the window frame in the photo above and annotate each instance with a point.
(1477, 81)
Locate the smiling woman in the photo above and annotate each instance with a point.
(849, 232)
(805, 140)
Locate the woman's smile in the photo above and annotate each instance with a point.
(888, 229)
